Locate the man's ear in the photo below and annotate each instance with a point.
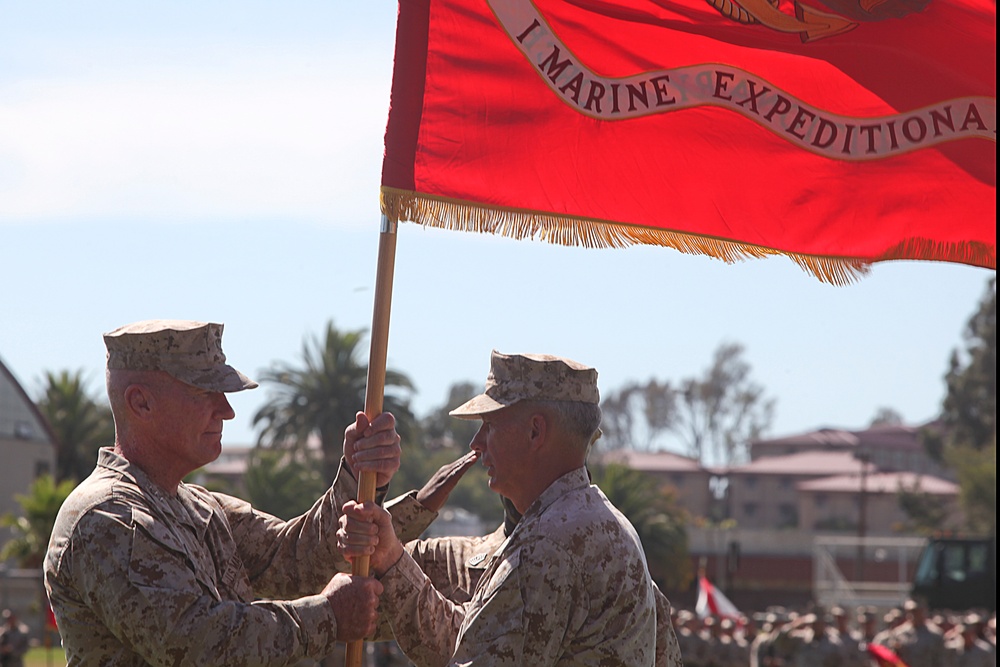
(139, 400)
(538, 429)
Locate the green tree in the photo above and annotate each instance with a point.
(283, 483)
(976, 470)
(80, 423)
(321, 397)
(926, 513)
(966, 434)
(33, 528)
(658, 519)
(441, 429)
(712, 417)
(969, 412)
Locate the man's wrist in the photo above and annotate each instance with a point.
(394, 558)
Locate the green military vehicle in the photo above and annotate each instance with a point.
(957, 573)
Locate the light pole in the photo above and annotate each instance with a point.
(859, 558)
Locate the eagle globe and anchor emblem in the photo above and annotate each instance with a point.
(811, 23)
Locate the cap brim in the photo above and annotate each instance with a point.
(223, 378)
(480, 405)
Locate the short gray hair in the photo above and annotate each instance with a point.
(576, 417)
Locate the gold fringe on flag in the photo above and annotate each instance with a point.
(454, 214)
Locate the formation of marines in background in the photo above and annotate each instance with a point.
(836, 638)
(819, 638)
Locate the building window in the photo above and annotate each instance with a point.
(788, 516)
(785, 482)
(677, 479)
(820, 500)
(749, 510)
(23, 430)
(42, 468)
(750, 481)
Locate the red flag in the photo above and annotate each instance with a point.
(836, 132)
(712, 602)
(50, 617)
(884, 656)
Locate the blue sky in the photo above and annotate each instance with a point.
(221, 161)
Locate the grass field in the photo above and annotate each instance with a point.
(43, 657)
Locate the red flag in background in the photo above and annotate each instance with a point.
(712, 602)
(50, 617)
(836, 132)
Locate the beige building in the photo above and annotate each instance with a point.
(683, 474)
(764, 493)
(891, 447)
(837, 501)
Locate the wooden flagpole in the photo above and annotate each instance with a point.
(375, 392)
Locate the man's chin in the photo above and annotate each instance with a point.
(214, 444)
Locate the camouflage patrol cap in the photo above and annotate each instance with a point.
(189, 351)
(522, 377)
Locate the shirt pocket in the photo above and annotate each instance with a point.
(161, 560)
(496, 620)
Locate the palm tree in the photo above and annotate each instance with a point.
(321, 397)
(657, 517)
(32, 530)
(282, 483)
(80, 424)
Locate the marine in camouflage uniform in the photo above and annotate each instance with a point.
(455, 563)
(735, 650)
(693, 645)
(853, 641)
(143, 572)
(917, 642)
(570, 585)
(784, 641)
(760, 644)
(720, 652)
(818, 645)
(966, 649)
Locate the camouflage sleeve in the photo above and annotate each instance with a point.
(668, 650)
(287, 559)
(134, 576)
(409, 518)
(424, 622)
(383, 631)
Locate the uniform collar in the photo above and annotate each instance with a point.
(184, 507)
(571, 481)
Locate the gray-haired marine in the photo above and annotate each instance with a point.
(570, 585)
(145, 569)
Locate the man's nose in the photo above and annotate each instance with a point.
(478, 443)
(223, 407)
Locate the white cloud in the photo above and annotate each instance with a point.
(166, 144)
